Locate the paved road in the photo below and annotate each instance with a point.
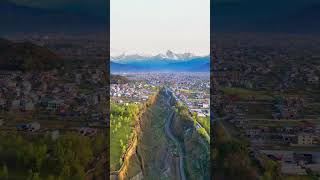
(174, 139)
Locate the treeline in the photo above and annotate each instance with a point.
(183, 112)
(195, 142)
(204, 121)
(185, 115)
(26, 56)
(232, 159)
(117, 79)
(43, 158)
(122, 121)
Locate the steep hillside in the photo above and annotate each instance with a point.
(196, 149)
(117, 79)
(154, 158)
(26, 56)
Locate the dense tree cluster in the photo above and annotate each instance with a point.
(232, 159)
(65, 158)
(122, 119)
(26, 56)
(117, 79)
(184, 113)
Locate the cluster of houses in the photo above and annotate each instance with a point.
(192, 89)
(35, 127)
(133, 92)
(284, 127)
(78, 95)
(286, 132)
(293, 162)
(51, 91)
(270, 131)
(303, 136)
(289, 108)
(272, 67)
(289, 121)
(195, 97)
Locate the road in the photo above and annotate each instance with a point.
(174, 139)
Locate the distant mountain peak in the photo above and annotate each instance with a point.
(176, 56)
(169, 55)
(125, 56)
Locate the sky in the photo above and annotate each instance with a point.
(91, 7)
(155, 26)
(294, 16)
(268, 7)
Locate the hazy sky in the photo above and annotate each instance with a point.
(92, 7)
(154, 26)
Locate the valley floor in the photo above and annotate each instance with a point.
(156, 156)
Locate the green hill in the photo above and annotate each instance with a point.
(26, 56)
(117, 79)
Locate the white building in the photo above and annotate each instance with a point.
(305, 139)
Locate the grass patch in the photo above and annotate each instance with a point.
(246, 94)
(288, 177)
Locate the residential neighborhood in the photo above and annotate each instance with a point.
(269, 96)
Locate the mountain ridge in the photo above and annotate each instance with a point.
(169, 55)
(154, 64)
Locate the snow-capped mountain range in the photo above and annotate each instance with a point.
(168, 62)
(169, 55)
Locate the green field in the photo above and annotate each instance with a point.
(299, 177)
(246, 94)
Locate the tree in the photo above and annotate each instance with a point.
(203, 133)
(65, 173)
(40, 155)
(4, 174)
(72, 147)
(33, 175)
(99, 143)
(28, 64)
(51, 177)
(272, 169)
(232, 157)
(78, 171)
